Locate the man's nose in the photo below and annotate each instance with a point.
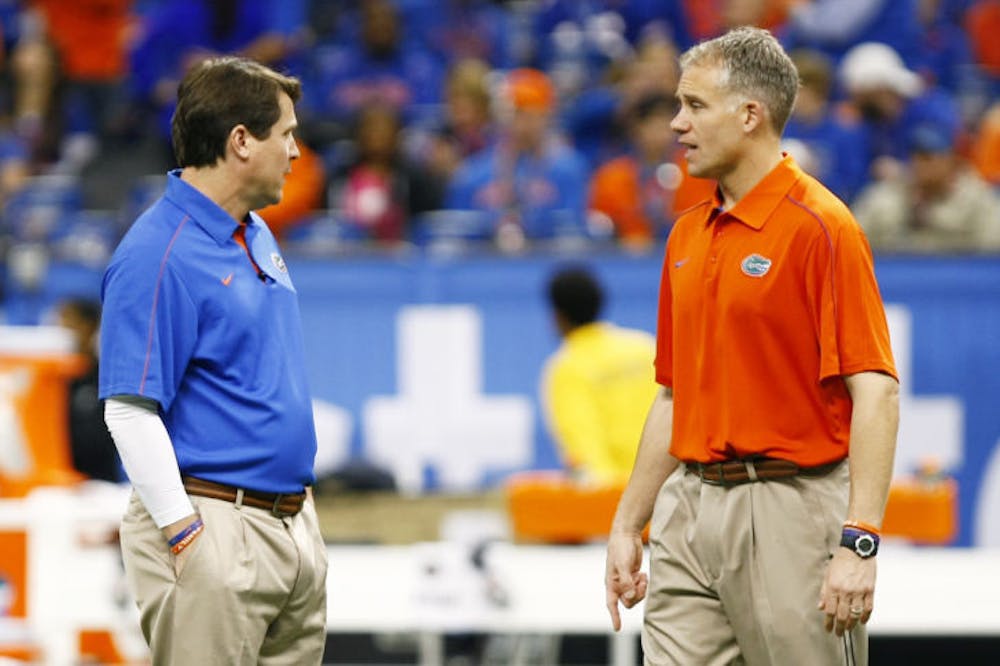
(679, 122)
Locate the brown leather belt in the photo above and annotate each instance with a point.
(279, 504)
(736, 472)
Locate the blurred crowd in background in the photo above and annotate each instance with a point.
(503, 123)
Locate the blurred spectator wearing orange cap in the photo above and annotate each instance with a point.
(938, 204)
(530, 181)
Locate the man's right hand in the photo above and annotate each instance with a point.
(623, 582)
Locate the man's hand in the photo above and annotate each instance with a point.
(622, 579)
(173, 529)
(848, 593)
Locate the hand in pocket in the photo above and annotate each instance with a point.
(181, 558)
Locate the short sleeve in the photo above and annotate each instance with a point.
(664, 362)
(853, 333)
(148, 330)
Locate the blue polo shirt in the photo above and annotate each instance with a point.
(189, 323)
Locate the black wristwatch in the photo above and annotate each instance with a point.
(861, 543)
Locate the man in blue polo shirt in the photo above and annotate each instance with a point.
(203, 369)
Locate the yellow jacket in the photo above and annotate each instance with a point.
(596, 392)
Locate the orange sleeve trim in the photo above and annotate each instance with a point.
(156, 300)
(833, 254)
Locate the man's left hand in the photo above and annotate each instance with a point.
(848, 593)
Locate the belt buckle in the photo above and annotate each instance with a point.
(722, 475)
(276, 510)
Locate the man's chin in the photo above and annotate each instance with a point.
(271, 201)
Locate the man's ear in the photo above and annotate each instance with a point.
(239, 139)
(752, 115)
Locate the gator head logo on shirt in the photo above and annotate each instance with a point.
(278, 262)
(755, 265)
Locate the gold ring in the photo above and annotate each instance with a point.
(855, 612)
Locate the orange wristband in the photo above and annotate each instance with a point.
(867, 527)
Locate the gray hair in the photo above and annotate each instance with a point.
(754, 65)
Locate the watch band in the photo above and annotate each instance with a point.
(862, 543)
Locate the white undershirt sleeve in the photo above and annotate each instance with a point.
(148, 457)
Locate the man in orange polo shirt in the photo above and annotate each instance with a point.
(774, 360)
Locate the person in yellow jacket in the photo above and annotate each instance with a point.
(597, 387)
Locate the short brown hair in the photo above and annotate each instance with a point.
(218, 94)
(754, 64)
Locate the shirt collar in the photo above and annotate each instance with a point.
(207, 214)
(756, 206)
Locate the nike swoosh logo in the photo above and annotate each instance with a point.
(226, 280)
(678, 264)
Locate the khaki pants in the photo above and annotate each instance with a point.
(252, 590)
(735, 573)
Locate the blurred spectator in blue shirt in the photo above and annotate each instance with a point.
(835, 152)
(15, 166)
(467, 125)
(578, 40)
(530, 182)
(463, 29)
(946, 60)
(590, 18)
(834, 26)
(381, 66)
(596, 119)
(945, 55)
(891, 100)
(180, 33)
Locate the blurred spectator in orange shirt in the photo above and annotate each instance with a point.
(710, 18)
(643, 191)
(303, 193)
(986, 145)
(90, 36)
(982, 22)
(91, 41)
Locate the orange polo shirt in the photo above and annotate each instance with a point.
(763, 310)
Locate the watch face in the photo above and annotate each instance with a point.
(864, 545)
